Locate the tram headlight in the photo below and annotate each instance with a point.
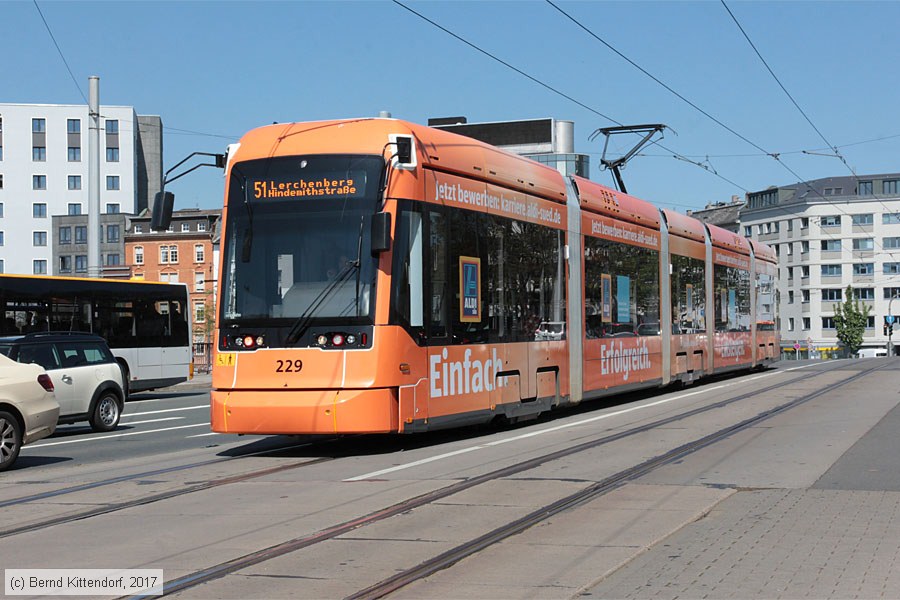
(322, 339)
(351, 339)
(337, 339)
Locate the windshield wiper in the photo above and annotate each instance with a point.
(302, 323)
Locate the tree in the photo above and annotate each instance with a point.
(850, 318)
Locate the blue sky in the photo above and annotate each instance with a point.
(213, 70)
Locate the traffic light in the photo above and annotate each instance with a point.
(885, 330)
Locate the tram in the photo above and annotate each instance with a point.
(383, 276)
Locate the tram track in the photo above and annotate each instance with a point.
(452, 556)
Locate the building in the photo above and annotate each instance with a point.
(726, 215)
(44, 173)
(70, 250)
(828, 234)
(184, 253)
(547, 141)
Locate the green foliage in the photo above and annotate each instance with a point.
(850, 319)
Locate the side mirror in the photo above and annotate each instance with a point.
(163, 203)
(404, 149)
(381, 232)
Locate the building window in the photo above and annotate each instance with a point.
(804, 246)
(112, 260)
(169, 277)
(866, 219)
(65, 264)
(112, 155)
(891, 292)
(889, 186)
(832, 294)
(112, 209)
(831, 245)
(806, 323)
(112, 182)
(790, 296)
(827, 322)
(864, 269)
(81, 263)
(138, 255)
(73, 126)
(201, 226)
(39, 126)
(168, 254)
(138, 228)
(804, 222)
(831, 270)
(74, 154)
(39, 153)
(791, 324)
(112, 126)
(39, 210)
(74, 208)
(1, 238)
(39, 267)
(804, 296)
(831, 221)
(891, 268)
(890, 243)
(81, 234)
(199, 282)
(864, 244)
(199, 312)
(185, 227)
(38, 238)
(74, 182)
(199, 254)
(834, 191)
(39, 182)
(890, 218)
(804, 271)
(65, 235)
(864, 293)
(870, 322)
(1, 181)
(112, 234)
(865, 188)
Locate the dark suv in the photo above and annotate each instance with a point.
(87, 378)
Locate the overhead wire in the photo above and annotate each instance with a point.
(776, 156)
(59, 50)
(551, 88)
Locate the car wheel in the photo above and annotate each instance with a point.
(10, 440)
(106, 412)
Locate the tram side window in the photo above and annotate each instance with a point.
(488, 279)
(621, 289)
(732, 297)
(688, 295)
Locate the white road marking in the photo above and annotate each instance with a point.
(150, 421)
(165, 410)
(100, 438)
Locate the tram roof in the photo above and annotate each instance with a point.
(602, 200)
(728, 240)
(684, 226)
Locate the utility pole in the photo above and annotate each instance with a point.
(93, 266)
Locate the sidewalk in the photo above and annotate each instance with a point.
(199, 381)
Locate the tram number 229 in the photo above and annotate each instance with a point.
(288, 366)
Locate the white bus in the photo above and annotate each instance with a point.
(145, 323)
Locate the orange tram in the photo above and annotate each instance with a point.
(382, 276)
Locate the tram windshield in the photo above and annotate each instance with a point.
(297, 239)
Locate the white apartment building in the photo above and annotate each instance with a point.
(828, 234)
(44, 172)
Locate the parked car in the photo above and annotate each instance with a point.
(86, 377)
(28, 408)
